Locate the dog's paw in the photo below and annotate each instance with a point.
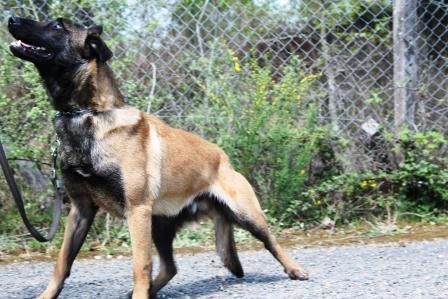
(297, 274)
(151, 295)
(44, 296)
(48, 294)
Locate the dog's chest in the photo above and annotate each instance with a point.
(86, 164)
(76, 136)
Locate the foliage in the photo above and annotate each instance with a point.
(268, 127)
(351, 11)
(418, 186)
(25, 111)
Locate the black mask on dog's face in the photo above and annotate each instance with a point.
(59, 42)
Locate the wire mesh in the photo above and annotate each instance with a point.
(349, 43)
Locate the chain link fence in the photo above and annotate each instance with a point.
(367, 68)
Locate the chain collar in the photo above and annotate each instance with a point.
(57, 183)
(73, 112)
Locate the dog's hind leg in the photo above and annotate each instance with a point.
(225, 245)
(259, 229)
(163, 233)
(79, 220)
(236, 196)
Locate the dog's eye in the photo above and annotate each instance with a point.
(57, 26)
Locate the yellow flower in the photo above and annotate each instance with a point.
(309, 77)
(235, 60)
(304, 79)
(302, 172)
(368, 183)
(237, 67)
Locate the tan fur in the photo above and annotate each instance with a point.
(141, 249)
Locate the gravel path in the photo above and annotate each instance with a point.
(417, 270)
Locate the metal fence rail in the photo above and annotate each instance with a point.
(381, 64)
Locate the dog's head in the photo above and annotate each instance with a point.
(59, 42)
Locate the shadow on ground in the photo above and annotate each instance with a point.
(215, 284)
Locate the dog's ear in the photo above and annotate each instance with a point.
(96, 29)
(95, 46)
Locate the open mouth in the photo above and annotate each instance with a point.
(22, 48)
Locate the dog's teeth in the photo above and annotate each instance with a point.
(19, 43)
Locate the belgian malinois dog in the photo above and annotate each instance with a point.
(131, 164)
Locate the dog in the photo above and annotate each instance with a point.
(131, 164)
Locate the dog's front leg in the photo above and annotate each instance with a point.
(80, 218)
(139, 221)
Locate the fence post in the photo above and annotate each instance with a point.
(330, 73)
(405, 22)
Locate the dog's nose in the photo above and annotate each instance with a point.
(13, 21)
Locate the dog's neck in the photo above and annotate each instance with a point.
(90, 86)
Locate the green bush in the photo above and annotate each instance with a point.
(268, 127)
(25, 111)
(417, 187)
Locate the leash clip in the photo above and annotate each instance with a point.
(53, 174)
(54, 149)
